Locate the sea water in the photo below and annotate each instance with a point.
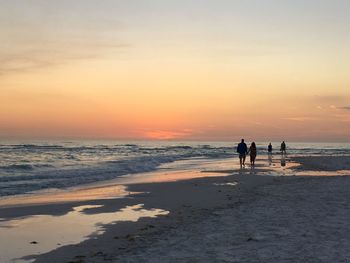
(39, 165)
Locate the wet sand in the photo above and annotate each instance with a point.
(323, 163)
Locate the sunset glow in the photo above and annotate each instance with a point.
(184, 70)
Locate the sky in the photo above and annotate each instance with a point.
(175, 70)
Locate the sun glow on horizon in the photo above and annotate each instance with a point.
(175, 70)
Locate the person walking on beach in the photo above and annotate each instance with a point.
(242, 150)
(283, 148)
(269, 148)
(269, 153)
(252, 152)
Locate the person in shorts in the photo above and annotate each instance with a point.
(242, 151)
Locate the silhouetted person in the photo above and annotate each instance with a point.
(242, 150)
(283, 148)
(252, 152)
(269, 148)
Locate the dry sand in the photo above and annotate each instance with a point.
(303, 220)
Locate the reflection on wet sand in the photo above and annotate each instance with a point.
(324, 173)
(69, 195)
(252, 171)
(40, 234)
(269, 158)
(106, 190)
(283, 160)
(265, 165)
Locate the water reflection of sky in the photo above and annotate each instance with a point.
(50, 232)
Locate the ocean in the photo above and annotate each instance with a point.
(39, 165)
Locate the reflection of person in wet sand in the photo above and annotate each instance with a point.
(242, 150)
(269, 158)
(283, 160)
(252, 152)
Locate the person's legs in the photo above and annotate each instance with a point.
(252, 160)
(243, 159)
(240, 160)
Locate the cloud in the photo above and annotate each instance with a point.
(53, 54)
(324, 102)
(344, 108)
(49, 36)
(329, 98)
(330, 102)
(167, 135)
(300, 119)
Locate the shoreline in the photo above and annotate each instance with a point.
(189, 203)
(164, 173)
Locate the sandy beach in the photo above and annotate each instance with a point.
(243, 216)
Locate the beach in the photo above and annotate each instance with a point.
(267, 214)
(174, 131)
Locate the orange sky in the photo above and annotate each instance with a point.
(161, 72)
